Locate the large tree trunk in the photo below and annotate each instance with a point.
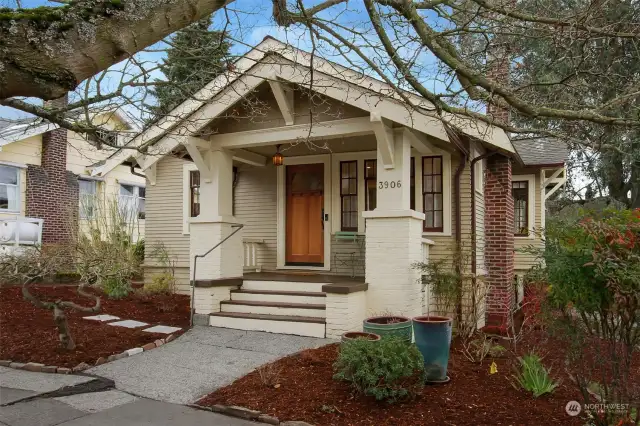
(82, 39)
(60, 318)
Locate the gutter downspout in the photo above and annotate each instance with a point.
(474, 237)
(458, 175)
(133, 172)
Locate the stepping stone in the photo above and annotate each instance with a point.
(164, 329)
(128, 324)
(102, 318)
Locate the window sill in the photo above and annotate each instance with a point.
(524, 237)
(435, 234)
(10, 211)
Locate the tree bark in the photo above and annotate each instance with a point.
(60, 318)
(84, 38)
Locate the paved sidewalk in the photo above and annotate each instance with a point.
(200, 361)
(41, 399)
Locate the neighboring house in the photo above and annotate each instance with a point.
(331, 228)
(44, 178)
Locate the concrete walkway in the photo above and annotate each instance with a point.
(198, 362)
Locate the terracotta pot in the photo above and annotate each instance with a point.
(353, 335)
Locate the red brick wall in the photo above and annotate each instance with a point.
(499, 237)
(52, 192)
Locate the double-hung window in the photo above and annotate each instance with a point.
(432, 194)
(194, 193)
(87, 195)
(520, 191)
(370, 177)
(9, 188)
(349, 195)
(132, 201)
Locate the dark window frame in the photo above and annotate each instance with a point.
(194, 208)
(433, 192)
(412, 184)
(350, 195)
(367, 179)
(518, 230)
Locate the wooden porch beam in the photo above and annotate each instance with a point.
(552, 177)
(248, 157)
(419, 142)
(284, 98)
(297, 132)
(384, 136)
(191, 144)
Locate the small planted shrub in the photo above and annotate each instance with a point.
(534, 377)
(388, 370)
(163, 283)
(116, 288)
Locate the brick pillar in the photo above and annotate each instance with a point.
(52, 192)
(499, 237)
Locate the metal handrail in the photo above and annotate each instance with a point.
(238, 227)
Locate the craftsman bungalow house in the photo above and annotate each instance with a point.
(339, 187)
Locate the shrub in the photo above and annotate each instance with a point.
(593, 268)
(163, 283)
(116, 288)
(533, 377)
(388, 369)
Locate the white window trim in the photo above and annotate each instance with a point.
(446, 190)
(282, 210)
(479, 169)
(531, 203)
(186, 194)
(19, 185)
(97, 191)
(336, 159)
(136, 194)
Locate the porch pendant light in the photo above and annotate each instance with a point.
(277, 158)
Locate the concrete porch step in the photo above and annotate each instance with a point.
(282, 285)
(284, 324)
(273, 308)
(304, 297)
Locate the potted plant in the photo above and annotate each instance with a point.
(433, 338)
(353, 335)
(389, 325)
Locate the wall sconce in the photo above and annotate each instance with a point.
(277, 158)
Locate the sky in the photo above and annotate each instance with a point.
(247, 22)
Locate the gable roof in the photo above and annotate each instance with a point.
(19, 129)
(541, 151)
(273, 59)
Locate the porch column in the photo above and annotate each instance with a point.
(214, 222)
(393, 235)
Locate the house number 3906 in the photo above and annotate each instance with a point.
(385, 184)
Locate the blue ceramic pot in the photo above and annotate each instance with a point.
(433, 338)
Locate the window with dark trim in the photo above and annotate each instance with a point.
(432, 194)
(370, 190)
(412, 184)
(194, 192)
(349, 195)
(520, 191)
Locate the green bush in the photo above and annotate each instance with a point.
(116, 288)
(533, 377)
(388, 369)
(163, 283)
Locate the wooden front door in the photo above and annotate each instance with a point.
(305, 211)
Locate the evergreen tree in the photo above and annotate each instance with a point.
(196, 56)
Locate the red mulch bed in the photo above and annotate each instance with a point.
(307, 392)
(28, 334)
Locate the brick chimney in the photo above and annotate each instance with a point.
(52, 192)
(498, 61)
